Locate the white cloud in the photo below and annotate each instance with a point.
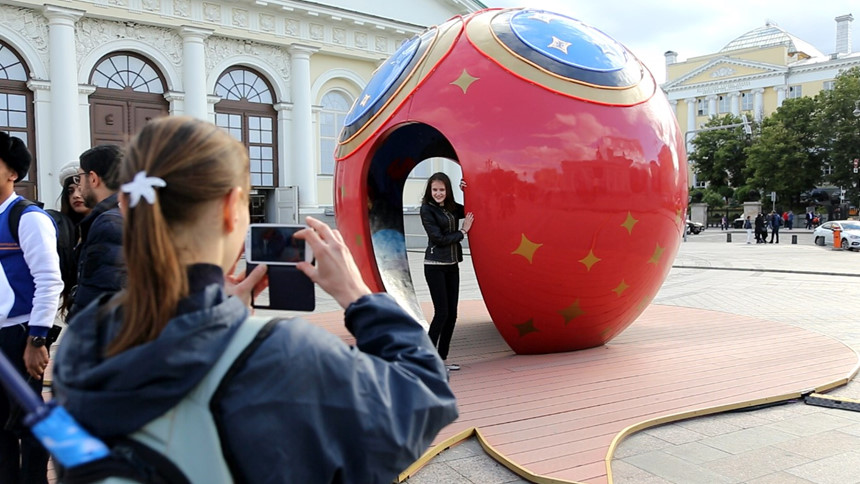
(694, 27)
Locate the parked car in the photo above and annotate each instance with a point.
(849, 233)
(694, 227)
(738, 223)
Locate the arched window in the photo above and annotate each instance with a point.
(129, 92)
(335, 106)
(245, 111)
(16, 110)
(125, 71)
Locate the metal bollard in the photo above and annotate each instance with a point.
(729, 237)
(794, 239)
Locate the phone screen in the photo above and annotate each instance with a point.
(276, 244)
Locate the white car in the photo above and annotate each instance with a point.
(849, 233)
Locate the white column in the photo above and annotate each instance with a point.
(46, 182)
(302, 147)
(65, 135)
(734, 103)
(712, 105)
(691, 113)
(285, 170)
(780, 95)
(84, 92)
(758, 104)
(194, 71)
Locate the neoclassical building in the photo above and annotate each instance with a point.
(753, 74)
(280, 75)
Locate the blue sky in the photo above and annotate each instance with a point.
(694, 27)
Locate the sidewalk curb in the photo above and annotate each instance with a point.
(750, 269)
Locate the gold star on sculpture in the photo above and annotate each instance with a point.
(589, 260)
(358, 240)
(464, 81)
(571, 312)
(658, 253)
(621, 288)
(678, 216)
(559, 44)
(527, 248)
(629, 223)
(526, 328)
(365, 99)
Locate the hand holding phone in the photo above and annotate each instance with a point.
(335, 270)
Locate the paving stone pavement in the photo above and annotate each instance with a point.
(812, 287)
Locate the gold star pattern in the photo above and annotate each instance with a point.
(678, 216)
(658, 253)
(559, 44)
(571, 312)
(464, 81)
(621, 288)
(526, 328)
(589, 260)
(358, 240)
(527, 248)
(629, 223)
(365, 99)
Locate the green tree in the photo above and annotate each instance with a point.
(784, 157)
(839, 131)
(718, 153)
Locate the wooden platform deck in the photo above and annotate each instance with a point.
(557, 418)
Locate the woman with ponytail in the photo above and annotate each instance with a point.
(297, 405)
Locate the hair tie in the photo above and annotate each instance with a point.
(142, 186)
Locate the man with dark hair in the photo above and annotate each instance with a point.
(29, 296)
(101, 268)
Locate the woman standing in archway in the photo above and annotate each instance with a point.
(441, 216)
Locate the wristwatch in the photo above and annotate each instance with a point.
(37, 341)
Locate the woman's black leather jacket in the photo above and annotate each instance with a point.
(443, 233)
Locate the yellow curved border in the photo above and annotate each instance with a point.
(444, 39)
(539, 479)
(712, 410)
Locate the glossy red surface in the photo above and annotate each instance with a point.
(578, 204)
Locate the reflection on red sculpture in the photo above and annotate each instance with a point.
(576, 169)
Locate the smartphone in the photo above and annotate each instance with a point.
(275, 244)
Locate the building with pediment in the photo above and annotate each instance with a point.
(280, 75)
(753, 74)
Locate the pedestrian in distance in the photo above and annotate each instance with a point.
(297, 404)
(749, 228)
(775, 222)
(440, 216)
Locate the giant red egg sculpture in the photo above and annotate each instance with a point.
(575, 165)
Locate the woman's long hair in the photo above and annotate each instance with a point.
(449, 203)
(199, 163)
(66, 206)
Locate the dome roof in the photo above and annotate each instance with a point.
(771, 35)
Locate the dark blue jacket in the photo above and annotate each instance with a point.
(305, 408)
(101, 265)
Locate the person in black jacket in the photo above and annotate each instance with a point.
(441, 215)
(101, 268)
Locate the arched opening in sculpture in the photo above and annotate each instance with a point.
(393, 160)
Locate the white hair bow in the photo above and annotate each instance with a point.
(142, 186)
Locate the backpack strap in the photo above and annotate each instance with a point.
(188, 433)
(147, 456)
(215, 403)
(15, 213)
